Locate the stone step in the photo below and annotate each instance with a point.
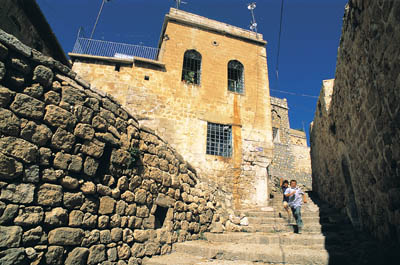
(176, 258)
(273, 253)
(274, 213)
(279, 220)
(308, 228)
(265, 238)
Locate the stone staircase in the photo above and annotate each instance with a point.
(327, 238)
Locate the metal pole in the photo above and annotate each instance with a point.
(97, 19)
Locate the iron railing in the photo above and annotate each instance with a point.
(89, 46)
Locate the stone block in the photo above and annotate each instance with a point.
(5, 96)
(116, 234)
(54, 255)
(78, 256)
(141, 235)
(164, 200)
(124, 251)
(73, 200)
(84, 131)
(69, 182)
(89, 220)
(43, 75)
(18, 193)
(63, 140)
(106, 205)
(49, 195)
(66, 236)
(140, 196)
(9, 167)
(75, 164)
(52, 98)
(76, 218)
(35, 91)
(30, 216)
(10, 236)
(88, 187)
(56, 217)
(83, 114)
(58, 117)
(94, 148)
(51, 175)
(72, 95)
(37, 134)
(19, 148)
(44, 156)
(27, 106)
(12, 256)
(9, 213)
(32, 236)
(97, 254)
(31, 174)
(120, 157)
(90, 166)
(9, 122)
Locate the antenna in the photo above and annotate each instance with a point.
(98, 16)
(179, 2)
(253, 23)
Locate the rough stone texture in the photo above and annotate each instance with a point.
(27, 106)
(66, 236)
(74, 186)
(355, 133)
(10, 236)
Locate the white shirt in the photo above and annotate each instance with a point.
(296, 199)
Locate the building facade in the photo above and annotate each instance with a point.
(206, 92)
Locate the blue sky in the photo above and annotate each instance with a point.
(310, 36)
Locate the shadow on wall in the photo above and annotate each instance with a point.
(79, 177)
(346, 245)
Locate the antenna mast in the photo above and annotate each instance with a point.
(98, 15)
(253, 25)
(179, 2)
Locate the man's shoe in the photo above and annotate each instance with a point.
(299, 230)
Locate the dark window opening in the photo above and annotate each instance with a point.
(275, 135)
(146, 77)
(160, 214)
(117, 67)
(191, 71)
(235, 76)
(332, 128)
(219, 139)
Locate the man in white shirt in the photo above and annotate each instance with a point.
(296, 197)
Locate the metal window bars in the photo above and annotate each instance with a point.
(219, 139)
(235, 76)
(89, 46)
(191, 70)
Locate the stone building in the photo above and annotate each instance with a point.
(205, 91)
(355, 133)
(24, 20)
(291, 153)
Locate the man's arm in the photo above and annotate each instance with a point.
(304, 198)
(280, 182)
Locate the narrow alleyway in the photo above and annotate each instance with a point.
(327, 238)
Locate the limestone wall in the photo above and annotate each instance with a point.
(79, 180)
(355, 134)
(291, 153)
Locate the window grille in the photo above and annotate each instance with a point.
(219, 139)
(235, 76)
(191, 71)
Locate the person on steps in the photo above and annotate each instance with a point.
(284, 184)
(296, 198)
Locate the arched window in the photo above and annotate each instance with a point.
(235, 76)
(191, 71)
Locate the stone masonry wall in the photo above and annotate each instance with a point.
(291, 153)
(80, 182)
(355, 135)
